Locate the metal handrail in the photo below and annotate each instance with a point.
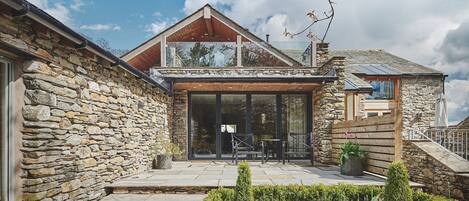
(452, 139)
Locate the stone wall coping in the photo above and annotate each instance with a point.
(449, 159)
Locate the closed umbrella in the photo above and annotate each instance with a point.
(441, 118)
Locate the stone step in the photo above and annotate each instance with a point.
(160, 189)
(154, 197)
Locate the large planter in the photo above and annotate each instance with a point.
(164, 161)
(353, 166)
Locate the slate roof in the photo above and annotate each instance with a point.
(405, 67)
(464, 123)
(356, 84)
(373, 69)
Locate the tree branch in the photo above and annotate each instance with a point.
(315, 20)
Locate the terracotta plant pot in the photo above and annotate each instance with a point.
(353, 166)
(164, 161)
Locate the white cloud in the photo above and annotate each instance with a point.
(157, 14)
(77, 5)
(156, 27)
(159, 25)
(100, 27)
(57, 10)
(419, 30)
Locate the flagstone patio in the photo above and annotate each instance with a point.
(201, 176)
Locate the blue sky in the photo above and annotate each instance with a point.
(434, 33)
(128, 22)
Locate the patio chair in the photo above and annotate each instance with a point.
(242, 144)
(302, 142)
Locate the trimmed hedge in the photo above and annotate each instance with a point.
(396, 189)
(341, 192)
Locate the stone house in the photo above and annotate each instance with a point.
(75, 117)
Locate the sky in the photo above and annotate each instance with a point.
(434, 33)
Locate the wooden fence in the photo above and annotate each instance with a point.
(378, 136)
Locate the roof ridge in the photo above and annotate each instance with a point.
(371, 49)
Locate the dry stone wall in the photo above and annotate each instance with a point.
(86, 123)
(418, 97)
(180, 131)
(328, 107)
(437, 178)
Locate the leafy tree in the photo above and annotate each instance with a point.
(199, 55)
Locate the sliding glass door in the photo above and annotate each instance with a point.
(294, 126)
(233, 120)
(263, 116)
(5, 68)
(3, 84)
(215, 117)
(203, 126)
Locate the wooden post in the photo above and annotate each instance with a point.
(239, 46)
(163, 51)
(397, 134)
(173, 54)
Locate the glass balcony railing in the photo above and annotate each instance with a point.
(224, 54)
(201, 54)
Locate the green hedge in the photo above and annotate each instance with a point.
(341, 192)
(396, 189)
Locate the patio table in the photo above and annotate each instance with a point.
(270, 146)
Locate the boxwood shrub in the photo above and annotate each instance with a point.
(341, 192)
(397, 186)
(396, 189)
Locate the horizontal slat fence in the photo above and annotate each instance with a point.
(376, 135)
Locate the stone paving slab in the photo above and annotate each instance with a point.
(223, 173)
(154, 197)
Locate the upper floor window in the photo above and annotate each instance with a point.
(382, 90)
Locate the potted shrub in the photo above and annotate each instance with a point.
(164, 151)
(351, 159)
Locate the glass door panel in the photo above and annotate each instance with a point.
(3, 95)
(203, 125)
(294, 123)
(263, 116)
(4, 121)
(233, 120)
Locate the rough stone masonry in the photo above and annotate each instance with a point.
(86, 123)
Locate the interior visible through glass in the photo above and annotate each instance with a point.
(263, 116)
(233, 120)
(382, 90)
(294, 123)
(254, 114)
(203, 126)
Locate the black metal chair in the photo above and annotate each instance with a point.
(241, 144)
(302, 142)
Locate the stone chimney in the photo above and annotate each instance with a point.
(322, 53)
(319, 55)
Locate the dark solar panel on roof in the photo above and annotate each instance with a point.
(375, 69)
